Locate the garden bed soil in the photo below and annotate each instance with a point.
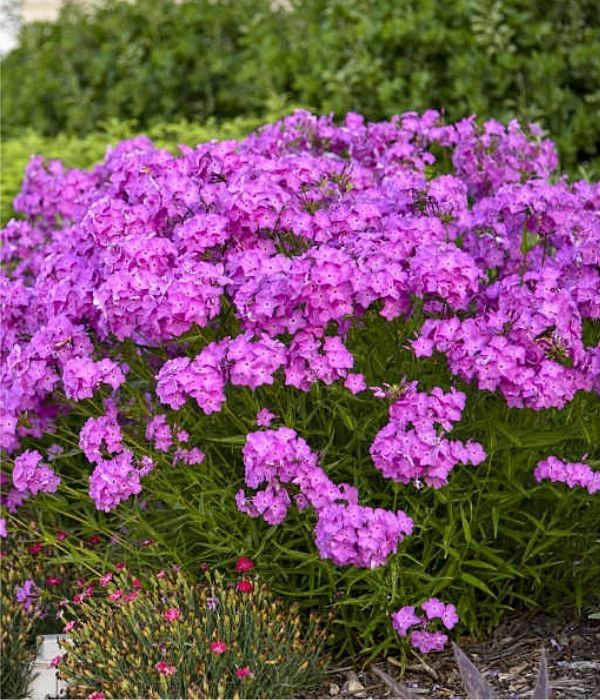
(509, 660)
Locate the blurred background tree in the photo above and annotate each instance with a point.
(153, 61)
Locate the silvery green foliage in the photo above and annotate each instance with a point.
(542, 690)
(477, 687)
(473, 681)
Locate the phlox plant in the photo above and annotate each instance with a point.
(366, 354)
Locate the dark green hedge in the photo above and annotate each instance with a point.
(156, 60)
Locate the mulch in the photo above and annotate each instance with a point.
(509, 660)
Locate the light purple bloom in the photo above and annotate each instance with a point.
(31, 474)
(427, 642)
(404, 619)
(28, 595)
(264, 418)
(574, 474)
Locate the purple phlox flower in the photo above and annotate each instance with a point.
(264, 418)
(31, 474)
(573, 474)
(27, 595)
(404, 619)
(427, 642)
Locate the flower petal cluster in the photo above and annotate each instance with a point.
(115, 480)
(81, 376)
(412, 445)
(102, 435)
(360, 536)
(423, 639)
(159, 432)
(574, 474)
(346, 532)
(31, 474)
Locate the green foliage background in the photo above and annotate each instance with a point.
(155, 60)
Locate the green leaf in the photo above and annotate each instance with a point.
(466, 526)
(476, 583)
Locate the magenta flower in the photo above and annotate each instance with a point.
(422, 638)
(28, 595)
(427, 642)
(244, 564)
(264, 418)
(244, 586)
(355, 383)
(164, 668)
(433, 608)
(218, 647)
(574, 474)
(450, 617)
(172, 614)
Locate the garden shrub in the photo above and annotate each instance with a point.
(367, 355)
(140, 61)
(166, 637)
(156, 60)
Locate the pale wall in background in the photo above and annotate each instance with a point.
(15, 12)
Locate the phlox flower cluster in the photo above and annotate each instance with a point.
(421, 638)
(31, 474)
(117, 474)
(571, 473)
(115, 480)
(81, 376)
(11, 497)
(346, 532)
(294, 235)
(102, 435)
(526, 342)
(160, 433)
(301, 228)
(412, 446)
